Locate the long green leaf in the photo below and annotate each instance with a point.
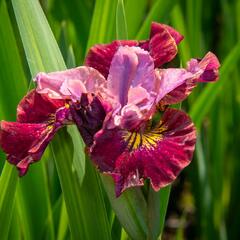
(103, 22)
(130, 208)
(159, 12)
(63, 223)
(88, 195)
(12, 87)
(194, 10)
(44, 55)
(8, 184)
(179, 24)
(121, 24)
(30, 197)
(135, 18)
(157, 208)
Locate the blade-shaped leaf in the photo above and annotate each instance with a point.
(130, 209)
(121, 24)
(103, 22)
(159, 12)
(88, 194)
(8, 184)
(12, 87)
(135, 18)
(78, 156)
(157, 208)
(179, 24)
(44, 55)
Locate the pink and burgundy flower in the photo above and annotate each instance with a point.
(130, 147)
(114, 101)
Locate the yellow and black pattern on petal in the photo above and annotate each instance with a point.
(147, 138)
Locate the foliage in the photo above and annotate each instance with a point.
(64, 196)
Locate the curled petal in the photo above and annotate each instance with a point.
(174, 152)
(157, 27)
(24, 143)
(100, 56)
(159, 153)
(162, 44)
(36, 108)
(162, 47)
(71, 83)
(206, 70)
(170, 79)
(176, 84)
(140, 107)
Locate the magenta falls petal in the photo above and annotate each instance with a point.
(39, 118)
(157, 152)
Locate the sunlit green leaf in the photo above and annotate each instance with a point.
(130, 208)
(121, 24)
(12, 87)
(159, 13)
(103, 22)
(44, 55)
(157, 208)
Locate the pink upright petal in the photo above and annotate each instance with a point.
(175, 84)
(206, 69)
(159, 153)
(131, 66)
(131, 81)
(100, 56)
(71, 83)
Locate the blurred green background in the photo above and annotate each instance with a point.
(205, 200)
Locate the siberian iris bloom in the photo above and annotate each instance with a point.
(116, 101)
(131, 146)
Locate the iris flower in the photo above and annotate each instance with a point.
(131, 146)
(119, 102)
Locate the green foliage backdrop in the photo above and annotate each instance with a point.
(63, 196)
